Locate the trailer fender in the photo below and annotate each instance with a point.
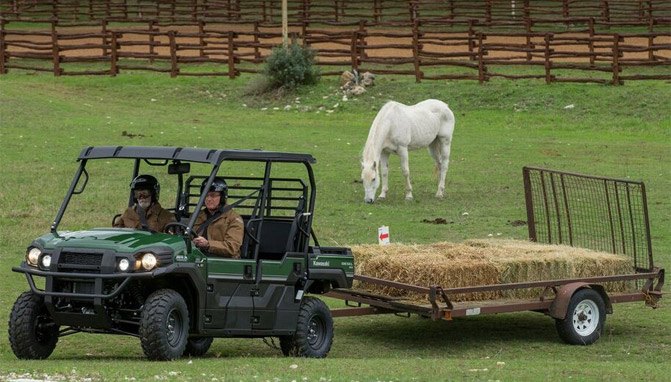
(560, 304)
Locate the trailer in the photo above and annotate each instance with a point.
(598, 213)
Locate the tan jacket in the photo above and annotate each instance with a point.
(156, 216)
(224, 234)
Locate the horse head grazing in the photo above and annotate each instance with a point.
(370, 179)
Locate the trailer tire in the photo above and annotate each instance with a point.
(585, 317)
(164, 325)
(197, 346)
(314, 331)
(33, 334)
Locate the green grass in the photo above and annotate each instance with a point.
(622, 132)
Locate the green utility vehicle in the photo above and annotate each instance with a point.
(158, 286)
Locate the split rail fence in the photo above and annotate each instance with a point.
(518, 12)
(418, 50)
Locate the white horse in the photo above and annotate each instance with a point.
(398, 128)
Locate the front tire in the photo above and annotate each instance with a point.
(314, 331)
(33, 334)
(584, 320)
(164, 325)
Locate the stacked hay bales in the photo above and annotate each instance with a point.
(483, 262)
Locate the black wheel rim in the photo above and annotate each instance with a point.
(42, 328)
(174, 327)
(316, 330)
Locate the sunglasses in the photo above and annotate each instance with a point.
(142, 195)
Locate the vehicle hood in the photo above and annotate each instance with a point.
(120, 240)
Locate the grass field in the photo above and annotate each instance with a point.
(622, 132)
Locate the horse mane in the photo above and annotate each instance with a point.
(371, 149)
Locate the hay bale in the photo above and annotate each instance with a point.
(483, 262)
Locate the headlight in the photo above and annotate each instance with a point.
(124, 264)
(33, 256)
(46, 261)
(149, 261)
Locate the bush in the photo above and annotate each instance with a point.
(291, 67)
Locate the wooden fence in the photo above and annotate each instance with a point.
(414, 50)
(611, 13)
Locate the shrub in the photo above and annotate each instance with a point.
(291, 67)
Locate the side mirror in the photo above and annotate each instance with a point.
(179, 168)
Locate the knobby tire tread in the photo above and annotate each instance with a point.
(22, 338)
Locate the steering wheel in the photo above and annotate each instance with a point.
(177, 228)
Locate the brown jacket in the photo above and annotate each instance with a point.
(156, 216)
(224, 234)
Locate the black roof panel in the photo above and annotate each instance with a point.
(211, 156)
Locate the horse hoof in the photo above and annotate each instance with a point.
(439, 195)
(408, 198)
(381, 197)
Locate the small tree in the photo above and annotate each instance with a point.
(291, 67)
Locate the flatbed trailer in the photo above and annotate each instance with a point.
(558, 209)
(579, 317)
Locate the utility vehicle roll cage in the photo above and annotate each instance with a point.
(273, 194)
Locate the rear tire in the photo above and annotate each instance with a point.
(33, 334)
(314, 331)
(164, 325)
(197, 346)
(584, 320)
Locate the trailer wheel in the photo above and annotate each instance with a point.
(584, 320)
(164, 325)
(314, 331)
(197, 346)
(33, 334)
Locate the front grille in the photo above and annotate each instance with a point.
(71, 258)
(80, 262)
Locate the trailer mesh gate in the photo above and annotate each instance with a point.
(599, 213)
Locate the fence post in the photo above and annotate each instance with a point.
(114, 57)
(616, 59)
(257, 52)
(415, 50)
(471, 40)
(3, 54)
(264, 11)
(362, 38)
(412, 7)
(377, 11)
(91, 14)
(55, 50)
(606, 13)
(173, 54)
(451, 8)
(527, 11)
(488, 12)
(482, 70)
(152, 40)
(355, 60)
(231, 54)
(201, 37)
(548, 63)
(651, 40)
(103, 29)
(527, 26)
(590, 24)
